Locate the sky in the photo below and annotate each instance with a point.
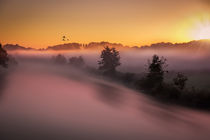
(42, 23)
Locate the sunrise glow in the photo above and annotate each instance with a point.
(38, 24)
(202, 31)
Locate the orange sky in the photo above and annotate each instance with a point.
(40, 23)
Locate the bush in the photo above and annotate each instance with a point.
(180, 81)
(76, 61)
(59, 59)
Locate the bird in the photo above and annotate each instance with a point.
(64, 38)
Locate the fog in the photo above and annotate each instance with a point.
(134, 60)
(41, 100)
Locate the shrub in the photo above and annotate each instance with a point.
(76, 61)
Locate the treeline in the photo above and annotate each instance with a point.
(188, 46)
(152, 83)
(73, 61)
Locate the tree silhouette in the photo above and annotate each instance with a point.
(3, 57)
(180, 81)
(59, 59)
(110, 59)
(76, 61)
(156, 70)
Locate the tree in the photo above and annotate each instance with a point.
(110, 59)
(156, 71)
(180, 81)
(3, 57)
(59, 59)
(76, 61)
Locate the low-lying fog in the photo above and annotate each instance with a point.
(194, 64)
(134, 60)
(41, 100)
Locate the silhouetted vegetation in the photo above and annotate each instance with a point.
(110, 59)
(77, 61)
(153, 82)
(175, 92)
(59, 59)
(192, 45)
(3, 57)
(11, 47)
(69, 46)
(180, 81)
(155, 74)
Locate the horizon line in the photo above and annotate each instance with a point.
(105, 42)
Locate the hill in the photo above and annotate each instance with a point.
(192, 45)
(11, 47)
(69, 46)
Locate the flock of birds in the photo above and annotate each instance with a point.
(64, 38)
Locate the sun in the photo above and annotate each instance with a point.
(201, 31)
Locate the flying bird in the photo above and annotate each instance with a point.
(64, 38)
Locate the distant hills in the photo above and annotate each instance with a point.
(90, 46)
(11, 47)
(101, 45)
(193, 45)
(69, 46)
(200, 44)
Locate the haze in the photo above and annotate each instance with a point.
(42, 100)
